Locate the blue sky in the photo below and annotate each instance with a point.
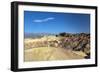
(52, 22)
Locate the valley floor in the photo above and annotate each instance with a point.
(51, 53)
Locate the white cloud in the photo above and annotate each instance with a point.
(37, 20)
(43, 20)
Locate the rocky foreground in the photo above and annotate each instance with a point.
(57, 48)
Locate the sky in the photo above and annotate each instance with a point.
(55, 22)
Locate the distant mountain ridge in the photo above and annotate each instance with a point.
(36, 35)
(39, 35)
